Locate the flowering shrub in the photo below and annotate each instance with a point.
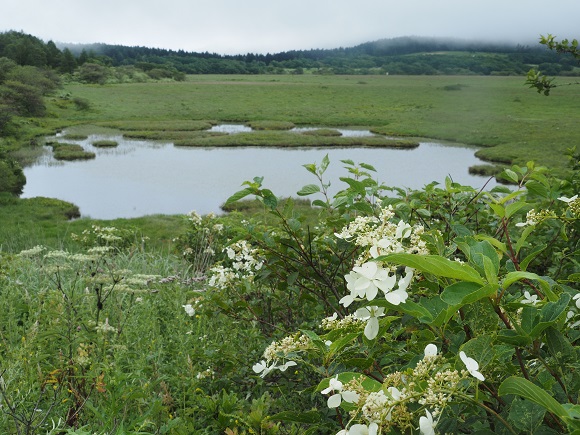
(445, 310)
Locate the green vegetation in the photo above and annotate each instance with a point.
(70, 151)
(105, 143)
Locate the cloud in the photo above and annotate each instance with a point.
(232, 26)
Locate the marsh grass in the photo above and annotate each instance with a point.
(105, 143)
(327, 132)
(75, 136)
(290, 139)
(486, 170)
(271, 125)
(165, 125)
(69, 151)
(169, 135)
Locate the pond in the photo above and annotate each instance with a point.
(140, 178)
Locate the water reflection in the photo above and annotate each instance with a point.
(139, 177)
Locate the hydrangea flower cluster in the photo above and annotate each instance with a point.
(429, 387)
(281, 350)
(245, 262)
(370, 277)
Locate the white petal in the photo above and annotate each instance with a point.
(372, 328)
(334, 401)
(371, 292)
(368, 270)
(362, 313)
(285, 366)
(350, 396)
(347, 300)
(387, 283)
(430, 350)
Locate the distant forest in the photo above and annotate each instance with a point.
(104, 63)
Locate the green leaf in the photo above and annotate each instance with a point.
(310, 167)
(463, 293)
(309, 417)
(309, 189)
(319, 203)
(368, 167)
(511, 175)
(526, 415)
(533, 254)
(324, 164)
(512, 337)
(518, 276)
(524, 388)
(512, 208)
(342, 342)
(498, 209)
(435, 265)
(240, 194)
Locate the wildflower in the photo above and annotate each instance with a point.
(335, 386)
(189, 310)
(369, 279)
(263, 368)
(371, 315)
(472, 366)
(529, 299)
(577, 299)
(426, 424)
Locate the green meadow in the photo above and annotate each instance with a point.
(512, 124)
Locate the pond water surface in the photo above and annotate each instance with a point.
(139, 178)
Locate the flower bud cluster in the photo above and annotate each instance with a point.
(534, 217)
(281, 350)
(429, 387)
(348, 322)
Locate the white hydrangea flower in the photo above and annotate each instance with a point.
(472, 366)
(263, 368)
(189, 310)
(335, 386)
(530, 299)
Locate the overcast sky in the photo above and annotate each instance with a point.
(270, 26)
